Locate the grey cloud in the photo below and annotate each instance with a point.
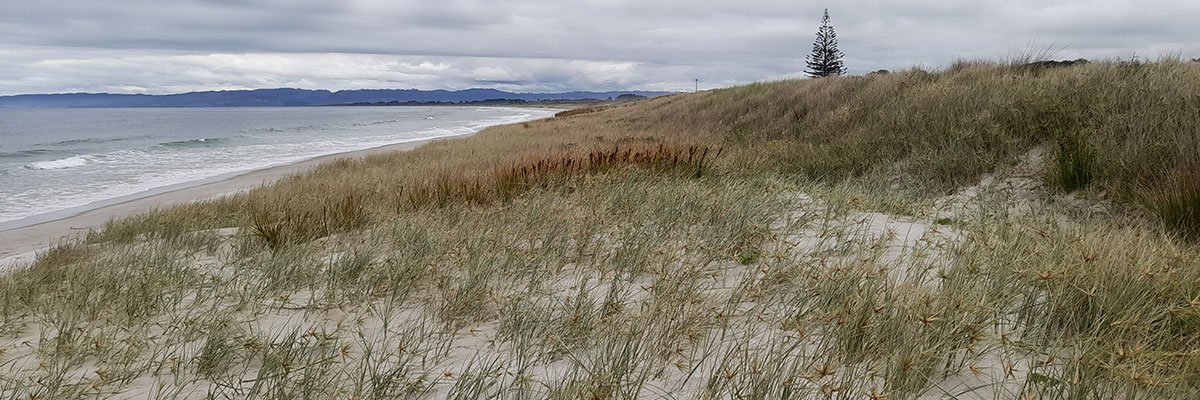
(163, 46)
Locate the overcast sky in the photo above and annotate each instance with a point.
(172, 46)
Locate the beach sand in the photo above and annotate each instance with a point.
(20, 245)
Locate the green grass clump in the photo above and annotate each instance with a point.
(1075, 163)
(1176, 200)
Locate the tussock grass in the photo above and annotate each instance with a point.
(1075, 163)
(725, 244)
(1176, 200)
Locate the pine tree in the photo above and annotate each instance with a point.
(826, 59)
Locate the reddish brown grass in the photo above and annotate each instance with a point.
(505, 183)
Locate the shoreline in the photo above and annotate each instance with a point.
(19, 245)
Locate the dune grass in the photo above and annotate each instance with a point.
(776, 240)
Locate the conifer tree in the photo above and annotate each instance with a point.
(826, 59)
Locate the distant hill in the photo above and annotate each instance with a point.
(297, 97)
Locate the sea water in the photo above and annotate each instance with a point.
(61, 159)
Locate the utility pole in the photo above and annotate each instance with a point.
(697, 86)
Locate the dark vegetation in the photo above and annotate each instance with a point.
(825, 59)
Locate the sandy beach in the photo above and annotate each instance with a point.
(21, 244)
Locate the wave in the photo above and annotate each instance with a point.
(384, 122)
(26, 153)
(71, 142)
(202, 142)
(81, 160)
(70, 162)
(289, 129)
(268, 130)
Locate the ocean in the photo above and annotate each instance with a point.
(58, 160)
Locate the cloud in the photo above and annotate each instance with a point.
(538, 45)
(173, 73)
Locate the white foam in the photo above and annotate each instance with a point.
(70, 162)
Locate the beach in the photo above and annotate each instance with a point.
(706, 245)
(20, 245)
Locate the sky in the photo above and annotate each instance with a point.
(174, 46)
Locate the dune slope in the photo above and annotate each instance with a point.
(984, 232)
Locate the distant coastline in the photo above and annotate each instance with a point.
(306, 97)
(628, 97)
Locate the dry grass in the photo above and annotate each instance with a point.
(580, 111)
(726, 244)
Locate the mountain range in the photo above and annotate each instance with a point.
(296, 97)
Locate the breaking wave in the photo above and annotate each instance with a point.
(70, 162)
